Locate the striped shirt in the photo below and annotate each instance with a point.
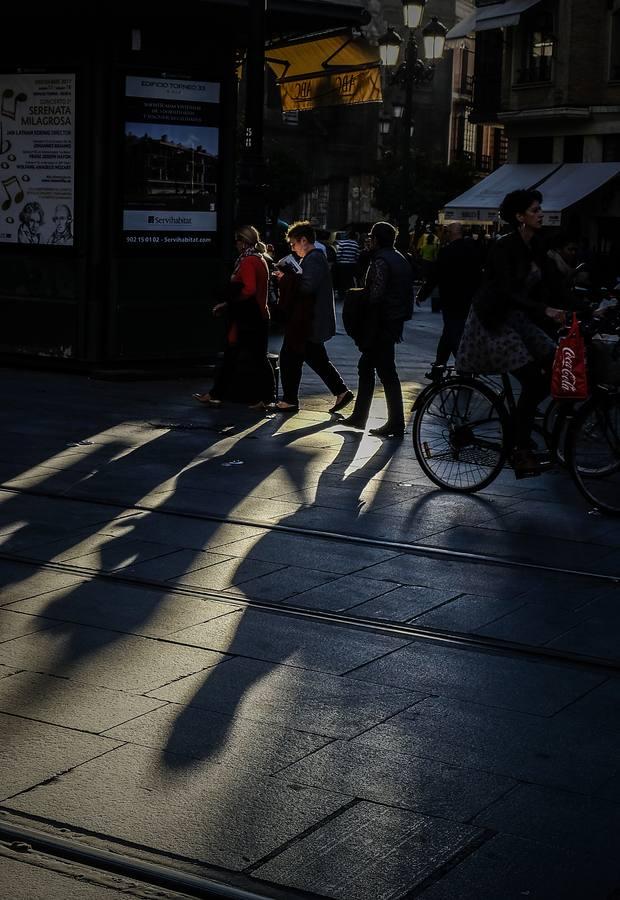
(347, 251)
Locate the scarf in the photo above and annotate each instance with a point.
(233, 331)
(249, 251)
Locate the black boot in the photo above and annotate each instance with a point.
(395, 425)
(363, 399)
(389, 431)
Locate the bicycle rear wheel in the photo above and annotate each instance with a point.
(460, 435)
(593, 452)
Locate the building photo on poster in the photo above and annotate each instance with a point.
(37, 138)
(171, 145)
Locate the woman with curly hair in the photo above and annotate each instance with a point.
(508, 326)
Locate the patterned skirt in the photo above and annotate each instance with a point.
(515, 343)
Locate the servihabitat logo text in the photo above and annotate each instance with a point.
(169, 220)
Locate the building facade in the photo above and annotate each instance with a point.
(340, 146)
(560, 77)
(547, 72)
(121, 170)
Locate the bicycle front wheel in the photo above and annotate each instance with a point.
(593, 452)
(460, 435)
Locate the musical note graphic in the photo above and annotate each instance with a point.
(5, 145)
(8, 184)
(10, 110)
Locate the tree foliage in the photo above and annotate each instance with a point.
(425, 188)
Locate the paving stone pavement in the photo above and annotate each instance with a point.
(182, 688)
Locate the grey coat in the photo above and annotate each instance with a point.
(316, 281)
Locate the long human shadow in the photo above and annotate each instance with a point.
(221, 694)
(207, 719)
(23, 507)
(114, 610)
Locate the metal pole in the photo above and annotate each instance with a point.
(253, 136)
(251, 206)
(411, 58)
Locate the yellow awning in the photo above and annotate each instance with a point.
(326, 71)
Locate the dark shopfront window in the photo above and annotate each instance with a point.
(573, 148)
(537, 48)
(535, 150)
(614, 55)
(611, 148)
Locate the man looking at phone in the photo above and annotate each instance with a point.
(310, 321)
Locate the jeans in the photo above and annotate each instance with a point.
(315, 355)
(379, 359)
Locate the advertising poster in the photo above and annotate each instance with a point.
(37, 141)
(171, 145)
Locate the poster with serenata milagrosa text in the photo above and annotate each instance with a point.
(37, 144)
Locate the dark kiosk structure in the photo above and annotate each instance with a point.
(125, 160)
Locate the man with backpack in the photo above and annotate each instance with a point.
(388, 304)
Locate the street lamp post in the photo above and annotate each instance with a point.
(251, 199)
(410, 73)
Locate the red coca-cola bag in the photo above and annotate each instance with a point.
(569, 376)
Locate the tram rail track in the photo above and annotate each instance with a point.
(364, 540)
(460, 639)
(154, 873)
(24, 839)
(446, 637)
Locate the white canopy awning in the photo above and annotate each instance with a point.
(574, 181)
(481, 202)
(496, 15)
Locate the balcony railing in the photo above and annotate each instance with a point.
(464, 155)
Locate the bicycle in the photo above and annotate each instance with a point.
(464, 425)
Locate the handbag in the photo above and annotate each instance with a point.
(355, 311)
(569, 377)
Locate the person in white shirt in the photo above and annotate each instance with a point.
(345, 271)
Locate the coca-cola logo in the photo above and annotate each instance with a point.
(568, 379)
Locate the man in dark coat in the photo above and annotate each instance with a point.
(389, 298)
(457, 275)
(310, 321)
